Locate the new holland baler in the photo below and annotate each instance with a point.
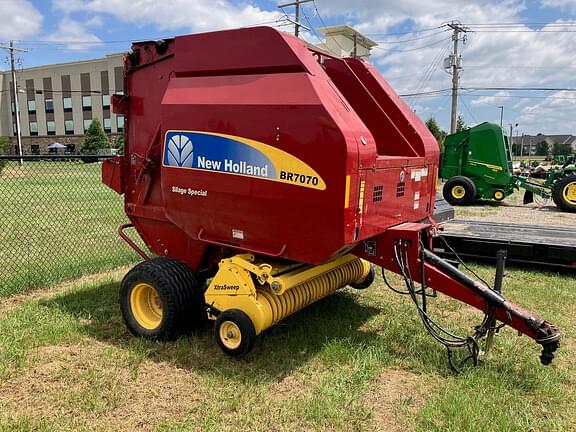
(265, 175)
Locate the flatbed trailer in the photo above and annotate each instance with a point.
(527, 244)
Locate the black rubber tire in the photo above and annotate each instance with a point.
(183, 307)
(469, 190)
(558, 193)
(499, 195)
(367, 281)
(247, 332)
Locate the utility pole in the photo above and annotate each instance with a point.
(456, 66)
(11, 50)
(355, 50)
(296, 4)
(501, 115)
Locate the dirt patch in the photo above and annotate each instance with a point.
(9, 303)
(394, 395)
(94, 387)
(290, 387)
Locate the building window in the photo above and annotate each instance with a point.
(87, 123)
(69, 127)
(49, 105)
(51, 127)
(67, 101)
(107, 125)
(33, 128)
(105, 101)
(35, 149)
(120, 123)
(86, 103)
(31, 106)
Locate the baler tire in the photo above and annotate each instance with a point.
(464, 184)
(242, 330)
(178, 300)
(368, 280)
(560, 193)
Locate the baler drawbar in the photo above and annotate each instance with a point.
(265, 175)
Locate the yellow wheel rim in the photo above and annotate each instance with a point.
(570, 192)
(498, 195)
(230, 335)
(458, 192)
(146, 306)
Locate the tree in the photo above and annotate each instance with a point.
(120, 144)
(542, 148)
(460, 124)
(94, 139)
(438, 133)
(4, 145)
(560, 149)
(516, 149)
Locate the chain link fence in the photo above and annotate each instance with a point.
(57, 222)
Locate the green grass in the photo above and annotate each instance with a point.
(57, 222)
(354, 361)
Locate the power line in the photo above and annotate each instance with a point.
(407, 32)
(414, 49)
(296, 5)
(410, 40)
(569, 89)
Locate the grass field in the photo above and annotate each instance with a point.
(57, 222)
(354, 361)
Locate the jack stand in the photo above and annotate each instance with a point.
(498, 281)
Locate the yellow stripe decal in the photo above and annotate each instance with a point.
(361, 197)
(347, 195)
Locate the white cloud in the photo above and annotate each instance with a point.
(20, 19)
(499, 97)
(562, 4)
(197, 15)
(556, 111)
(73, 35)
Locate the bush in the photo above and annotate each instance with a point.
(95, 139)
(120, 144)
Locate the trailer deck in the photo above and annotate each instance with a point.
(533, 244)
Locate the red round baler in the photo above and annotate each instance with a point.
(276, 172)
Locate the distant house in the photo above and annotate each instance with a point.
(530, 142)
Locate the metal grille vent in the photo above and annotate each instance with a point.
(377, 193)
(400, 189)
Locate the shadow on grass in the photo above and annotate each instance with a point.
(277, 351)
(338, 329)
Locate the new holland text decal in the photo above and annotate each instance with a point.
(231, 154)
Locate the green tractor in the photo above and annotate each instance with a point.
(477, 164)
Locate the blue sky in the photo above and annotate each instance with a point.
(512, 43)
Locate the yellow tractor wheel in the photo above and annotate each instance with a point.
(459, 190)
(564, 193)
(234, 332)
(161, 300)
(499, 195)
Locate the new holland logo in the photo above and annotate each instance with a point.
(179, 150)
